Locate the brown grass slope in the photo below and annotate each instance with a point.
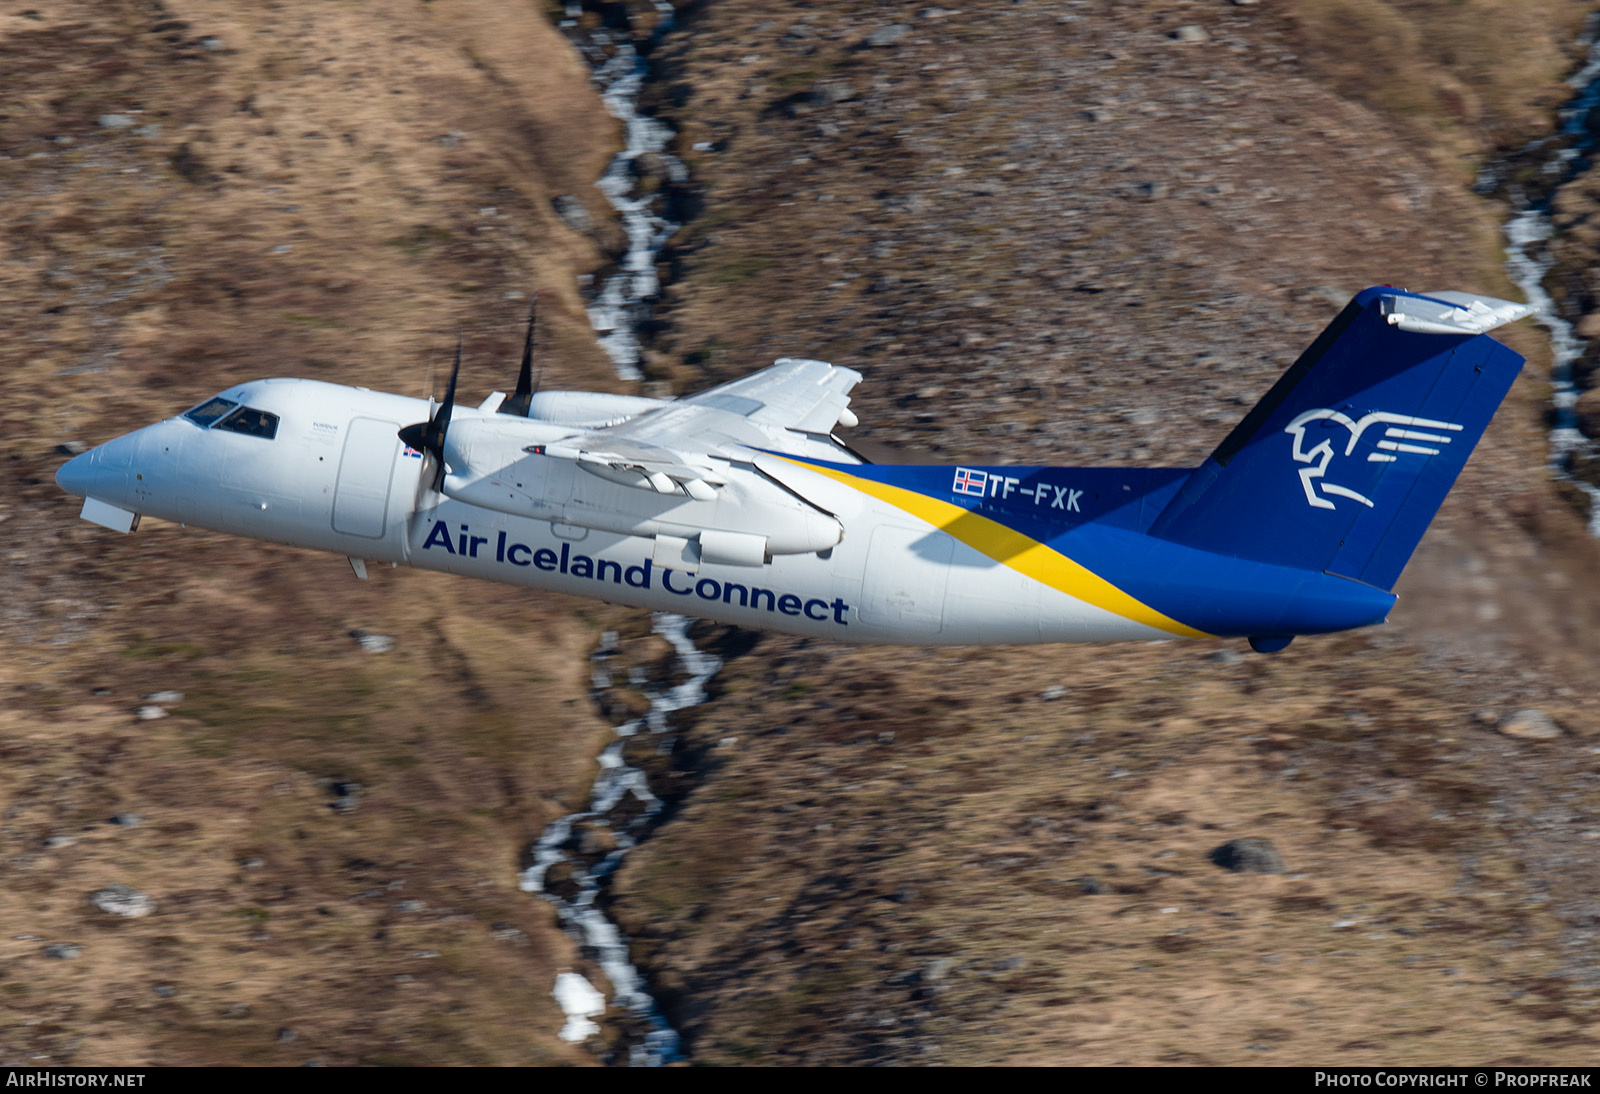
(1080, 234)
(1035, 227)
(199, 193)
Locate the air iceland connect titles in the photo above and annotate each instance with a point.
(642, 576)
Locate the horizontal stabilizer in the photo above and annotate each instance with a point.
(1451, 313)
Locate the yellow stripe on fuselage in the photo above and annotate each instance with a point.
(1010, 547)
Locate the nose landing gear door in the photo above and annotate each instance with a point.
(361, 499)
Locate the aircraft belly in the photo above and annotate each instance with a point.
(904, 586)
(1065, 618)
(886, 584)
(795, 594)
(990, 603)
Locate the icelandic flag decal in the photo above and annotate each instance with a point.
(971, 482)
(414, 453)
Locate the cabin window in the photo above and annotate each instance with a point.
(251, 422)
(209, 411)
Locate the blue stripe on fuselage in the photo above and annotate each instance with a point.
(1096, 517)
(1040, 502)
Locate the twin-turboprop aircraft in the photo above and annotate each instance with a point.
(741, 505)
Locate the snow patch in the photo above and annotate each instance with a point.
(580, 1001)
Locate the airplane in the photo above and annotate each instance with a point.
(741, 505)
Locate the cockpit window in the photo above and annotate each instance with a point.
(251, 422)
(209, 411)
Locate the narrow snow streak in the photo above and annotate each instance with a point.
(625, 301)
(1528, 261)
(580, 914)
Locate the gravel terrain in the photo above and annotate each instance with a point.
(253, 810)
(1095, 233)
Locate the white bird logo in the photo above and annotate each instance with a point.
(1404, 434)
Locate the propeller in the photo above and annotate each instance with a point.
(429, 436)
(522, 398)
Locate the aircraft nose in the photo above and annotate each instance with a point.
(77, 474)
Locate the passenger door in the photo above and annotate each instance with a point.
(366, 467)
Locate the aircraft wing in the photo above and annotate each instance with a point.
(684, 439)
(807, 396)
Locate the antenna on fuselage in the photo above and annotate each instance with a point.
(527, 383)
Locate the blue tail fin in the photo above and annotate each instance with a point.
(1342, 465)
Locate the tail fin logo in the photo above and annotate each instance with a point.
(1402, 435)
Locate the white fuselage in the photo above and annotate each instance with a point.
(337, 478)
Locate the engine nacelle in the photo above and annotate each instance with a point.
(589, 409)
(733, 548)
(733, 516)
(741, 524)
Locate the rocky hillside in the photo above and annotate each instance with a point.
(239, 825)
(1089, 233)
(323, 841)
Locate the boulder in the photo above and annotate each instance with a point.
(1530, 725)
(1248, 856)
(887, 36)
(122, 900)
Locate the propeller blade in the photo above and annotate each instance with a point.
(441, 420)
(521, 398)
(429, 436)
